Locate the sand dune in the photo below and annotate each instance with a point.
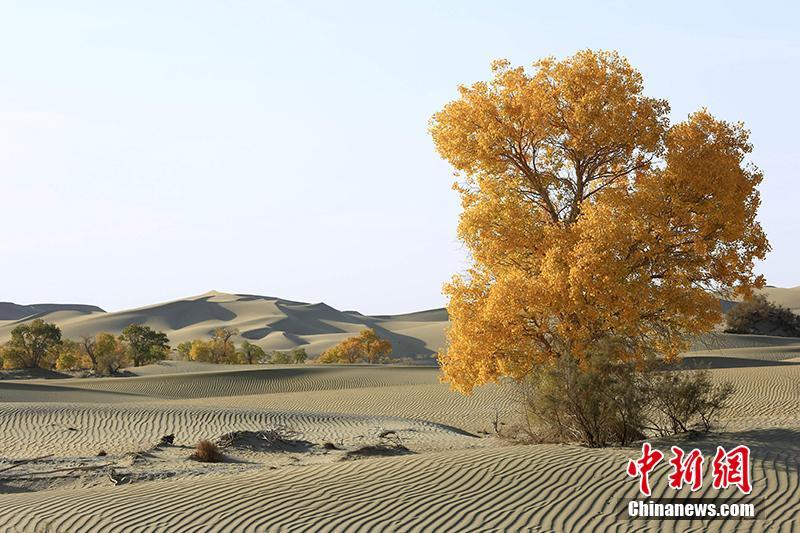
(454, 478)
(451, 474)
(544, 488)
(276, 323)
(272, 323)
(786, 297)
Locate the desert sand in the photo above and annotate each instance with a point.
(272, 323)
(335, 472)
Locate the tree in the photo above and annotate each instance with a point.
(250, 353)
(299, 356)
(88, 345)
(201, 351)
(33, 345)
(278, 357)
(146, 344)
(589, 217)
(184, 349)
(377, 350)
(367, 346)
(110, 354)
(69, 355)
(222, 348)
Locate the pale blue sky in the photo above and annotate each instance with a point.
(153, 150)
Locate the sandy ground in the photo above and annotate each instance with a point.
(438, 467)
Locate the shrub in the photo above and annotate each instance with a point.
(680, 401)
(761, 317)
(278, 357)
(299, 356)
(366, 347)
(602, 401)
(206, 452)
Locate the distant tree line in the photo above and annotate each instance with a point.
(220, 349)
(39, 344)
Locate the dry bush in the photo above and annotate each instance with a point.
(682, 401)
(275, 438)
(206, 452)
(761, 317)
(603, 402)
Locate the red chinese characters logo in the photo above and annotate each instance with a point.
(728, 468)
(643, 466)
(732, 468)
(686, 468)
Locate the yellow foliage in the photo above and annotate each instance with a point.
(220, 349)
(70, 356)
(109, 352)
(589, 217)
(366, 347)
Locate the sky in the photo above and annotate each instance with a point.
(155, 150)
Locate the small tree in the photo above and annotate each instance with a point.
(110, 354)
(250, 353)
(222, 347)
(87, 345)
(201, 351)
(146, 344)
(367, 347)
(279, 357)
(377, 349)
(184, 350)
(33, 345)
(299, 356)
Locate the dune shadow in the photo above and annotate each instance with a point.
(31, 373)
(34, 392)
(181, 314)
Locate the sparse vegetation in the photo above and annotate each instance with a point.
(603, 401)
(296, 356)
(759, 316)
(207, 452)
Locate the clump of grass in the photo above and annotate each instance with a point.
(206, 452)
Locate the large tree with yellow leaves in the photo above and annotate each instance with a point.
(591, 221)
